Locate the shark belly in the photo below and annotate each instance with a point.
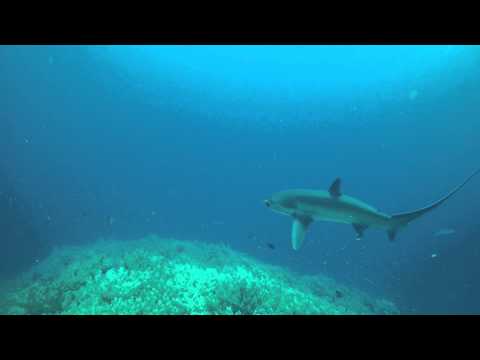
(346, 214)
(327, 213)
(334, 216)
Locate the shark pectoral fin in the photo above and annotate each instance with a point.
(299, 229)
(334, 189)
(359, 229)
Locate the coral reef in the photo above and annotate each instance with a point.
(166, 276)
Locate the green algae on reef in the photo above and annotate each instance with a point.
(166, 276)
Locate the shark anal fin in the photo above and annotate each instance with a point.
(334, 189)
(359, 229)
(299, 228)
(392, 233)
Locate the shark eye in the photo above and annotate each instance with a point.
(267, 203)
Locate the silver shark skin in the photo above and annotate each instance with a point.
(308, 205)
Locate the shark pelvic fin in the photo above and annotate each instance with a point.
(334, 189)
(359, 229)
(392, 233)
(299, 228)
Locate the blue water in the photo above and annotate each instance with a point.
(187, 142)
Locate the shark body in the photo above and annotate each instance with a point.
(308, 205)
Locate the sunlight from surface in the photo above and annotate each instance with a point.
(333, 71)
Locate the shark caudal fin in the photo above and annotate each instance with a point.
(299, 229)
(401, 220)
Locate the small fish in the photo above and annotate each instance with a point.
(434, 256)
(413, 94)
(444, 232)
(338, 294)
(271, 246)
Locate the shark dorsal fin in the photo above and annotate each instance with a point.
(334, 189)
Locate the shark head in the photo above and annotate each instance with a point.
(287, 203)
(282, 202)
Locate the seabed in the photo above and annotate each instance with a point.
(160, 276)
